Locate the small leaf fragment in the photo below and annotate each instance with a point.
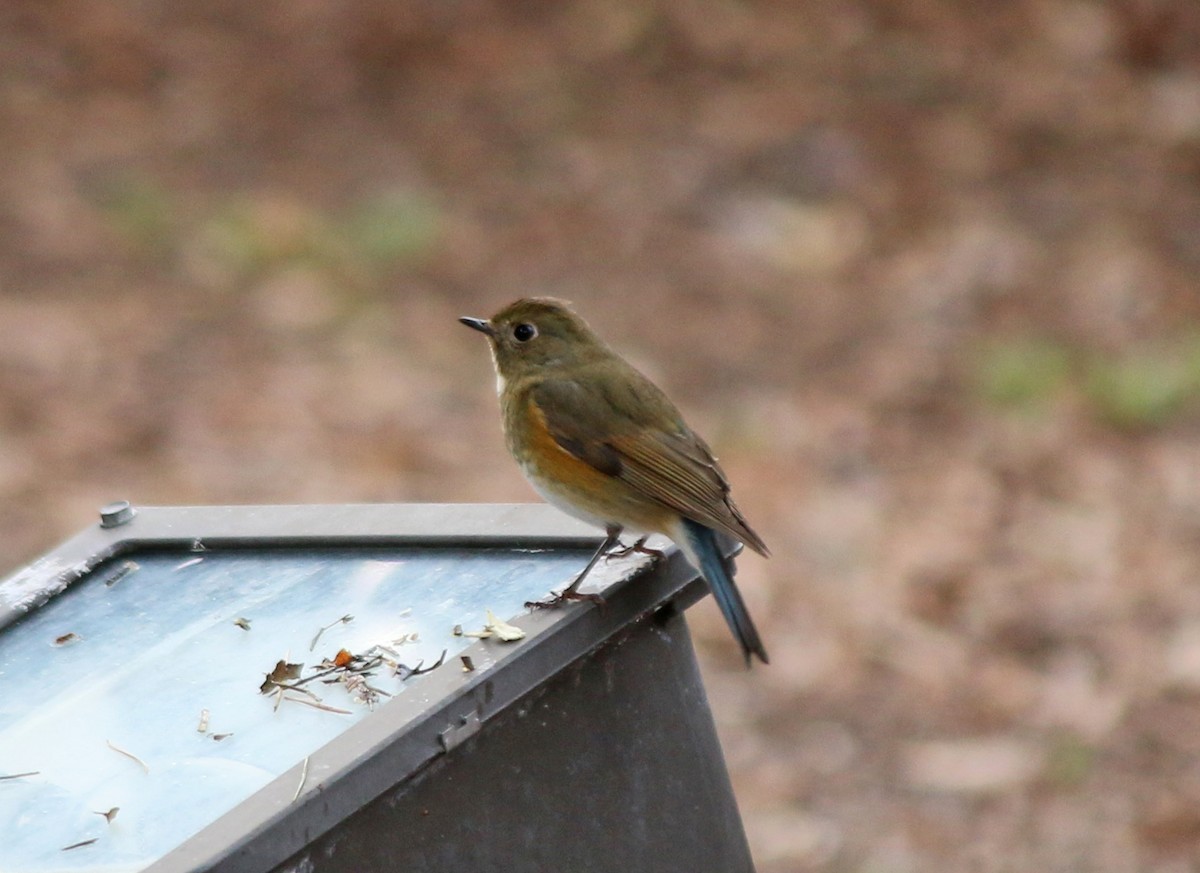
(283, 672)
(503, 631)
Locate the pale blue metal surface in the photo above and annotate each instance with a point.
(159, 645)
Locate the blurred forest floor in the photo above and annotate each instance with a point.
(924, 272)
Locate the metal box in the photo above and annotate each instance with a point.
(153, 716)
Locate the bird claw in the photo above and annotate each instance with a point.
(638, 548)
(554, 601)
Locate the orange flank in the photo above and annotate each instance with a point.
(551, 460)
(573, 484)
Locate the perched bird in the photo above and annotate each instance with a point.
(601, 442)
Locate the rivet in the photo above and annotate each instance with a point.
(117, 513)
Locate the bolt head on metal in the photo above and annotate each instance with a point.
(117, 513)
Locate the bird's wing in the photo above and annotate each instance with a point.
(611, 427)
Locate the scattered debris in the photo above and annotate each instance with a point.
(129, 755)
(353, 672)
(405, 672)
(303, 778)
(504, 631)
(282, 673)
(468, 664)
(190, 562)
(360, 690)
(316, 704)
(243, 623)
(20, 775)
(345, 619)
(497, 628)
(111, 814)
(457, 631)
(67, 639)
(80, 845)
(202, 727)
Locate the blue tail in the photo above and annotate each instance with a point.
(703, 543)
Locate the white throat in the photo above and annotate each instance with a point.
(496, 366)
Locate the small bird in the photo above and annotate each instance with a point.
(603, 443)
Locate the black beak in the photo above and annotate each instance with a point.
(481, 325)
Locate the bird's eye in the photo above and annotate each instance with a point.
(524, 332)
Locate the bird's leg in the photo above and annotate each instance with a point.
(638, 548)
(571, 592)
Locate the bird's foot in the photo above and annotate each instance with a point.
(555, 600)
(638, 548)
